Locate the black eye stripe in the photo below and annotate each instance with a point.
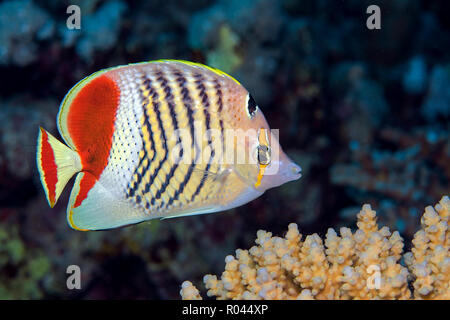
(251, 106)
(263, 155)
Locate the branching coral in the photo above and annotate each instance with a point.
(364, 264)
(429, 260)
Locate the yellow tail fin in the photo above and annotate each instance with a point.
(56, 163)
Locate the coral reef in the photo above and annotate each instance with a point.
(22, 26)
(437, 102)
(429, 259)
(18, 158)
(415, 77)
(218, 31)
(397, 180)
(22, 270)
(364, 264)
(224, 57)
(99, 31)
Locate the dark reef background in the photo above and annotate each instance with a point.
(364, 112)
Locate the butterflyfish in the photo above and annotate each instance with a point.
(159, 139)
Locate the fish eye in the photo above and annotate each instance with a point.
(252, 107)
(263, 154)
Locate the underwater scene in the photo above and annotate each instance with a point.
(343, 108)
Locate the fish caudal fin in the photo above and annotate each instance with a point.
(56, 163)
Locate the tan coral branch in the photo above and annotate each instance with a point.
(364, 264)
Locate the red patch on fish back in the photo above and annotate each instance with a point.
(48, 166)
(90, 123)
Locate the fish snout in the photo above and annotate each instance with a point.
(280, 172)
(292, 171)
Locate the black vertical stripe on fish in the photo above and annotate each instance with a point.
(171, 105)
(202, 182)
(219, 95)
(222, 133)
(187, 102)
(205, 104)
(219, 102)
(132, 186)
(147, 83)
(182, 185)
(144, 101)
(152, 142)
(156, 105)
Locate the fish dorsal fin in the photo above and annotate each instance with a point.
(197, 65)
(93, 207)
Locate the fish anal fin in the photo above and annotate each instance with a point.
(193, 212)
(93, 207)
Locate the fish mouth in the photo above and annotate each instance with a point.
(284, 171)
(289, 171)
(293, 171)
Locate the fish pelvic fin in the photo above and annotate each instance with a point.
(56, 164)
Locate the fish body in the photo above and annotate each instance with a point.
(158, 140)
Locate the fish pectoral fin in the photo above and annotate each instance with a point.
(210, 176)
(94, 207)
